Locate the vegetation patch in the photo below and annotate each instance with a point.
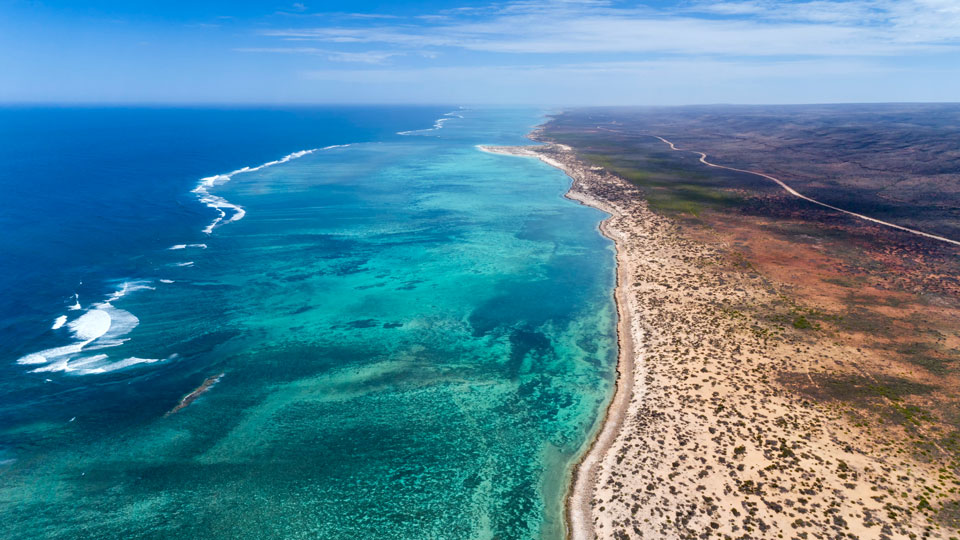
(949, 514)
(668, 187)
(802, 323)
(928, 356)
(858, 389)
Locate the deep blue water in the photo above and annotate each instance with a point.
(87, 191)
(401, 338)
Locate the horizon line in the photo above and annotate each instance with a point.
(190, 104)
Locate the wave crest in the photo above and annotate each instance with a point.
(221, 205)
(437, 125)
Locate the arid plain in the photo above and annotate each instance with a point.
(788, 369)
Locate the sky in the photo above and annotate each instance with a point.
(559, 52)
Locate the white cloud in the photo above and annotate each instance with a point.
(670, 82)
(693, 69)
(363, 57)
(820, 11)
(898, 21)
(744, 28)
(594, 51)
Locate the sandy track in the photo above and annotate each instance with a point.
(795, 193)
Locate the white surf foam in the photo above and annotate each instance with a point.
(95, 364)
(68, 364)
(91, 325)
(166, 281)
(185, 246)
(126, 288)
(127, 362)
(438, 124)
(122, 323)
(76, 303)
(221, 205)
(100, 327)
(188, 263)
(48, 355)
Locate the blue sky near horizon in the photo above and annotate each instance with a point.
(560, 52)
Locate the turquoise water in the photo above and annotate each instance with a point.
(416, 339)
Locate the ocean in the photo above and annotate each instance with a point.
(314, 322)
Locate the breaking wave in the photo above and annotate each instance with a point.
(436, 125)
(223, 206)
(100, 327)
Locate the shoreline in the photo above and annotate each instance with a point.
(578, 521)
(704, 435)
(578, 498)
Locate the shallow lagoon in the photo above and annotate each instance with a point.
(416, 339)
